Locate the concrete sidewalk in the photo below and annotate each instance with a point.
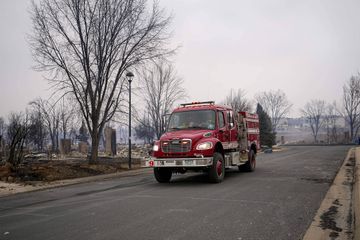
(339, 215)
(13, 188)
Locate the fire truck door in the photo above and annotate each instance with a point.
(223, 133)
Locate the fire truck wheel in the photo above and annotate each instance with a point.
(217, 170)
(250, 165)
(162, 175)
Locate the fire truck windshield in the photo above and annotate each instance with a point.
(197, 119)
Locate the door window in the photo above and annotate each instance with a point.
(221, 120)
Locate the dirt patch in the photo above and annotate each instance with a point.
(318, 180)
(334, 235)
(337, 202)
(327, 219)
(350, 162)
(52, 170)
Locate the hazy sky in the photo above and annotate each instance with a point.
(306, 48)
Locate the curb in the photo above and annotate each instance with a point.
(67, 182)
(335, 218)
(356, 195)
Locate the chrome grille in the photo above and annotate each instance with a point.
(176, 146)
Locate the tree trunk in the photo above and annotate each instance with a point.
(95, 140)
(11, 155)
(52, 142)
(57, 141)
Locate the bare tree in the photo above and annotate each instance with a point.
(2, 136)
(73, 134)
(88, 46)
(17, 131)
(161, 88)
(144, 130)
(51, 116)
(237, 100)
(68, 115)
(351, 101)
(330, 117)
(38, 130)
(2, 128)
(276, 104)
(314, 112)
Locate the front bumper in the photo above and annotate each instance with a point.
(177, 162)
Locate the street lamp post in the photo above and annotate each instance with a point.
(129, 76)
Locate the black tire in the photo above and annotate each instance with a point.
(250, 165)
(162, 175)
(217, 170)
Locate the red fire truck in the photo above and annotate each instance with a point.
(203, 136)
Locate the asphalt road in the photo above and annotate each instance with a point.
(277, 201)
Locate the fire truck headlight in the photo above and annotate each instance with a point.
(155, 148)
(204, 146)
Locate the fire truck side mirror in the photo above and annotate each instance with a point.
(230, 119)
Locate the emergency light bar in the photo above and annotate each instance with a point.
(197, 103)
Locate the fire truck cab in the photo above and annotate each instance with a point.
(203, 136)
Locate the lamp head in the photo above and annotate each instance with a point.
(129, 76)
